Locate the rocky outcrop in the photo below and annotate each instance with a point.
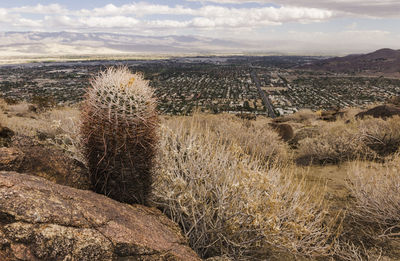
(27, 155)
(10, 158)
(381, 111)
(40, 220)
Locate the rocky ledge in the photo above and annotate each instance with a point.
(40, 220)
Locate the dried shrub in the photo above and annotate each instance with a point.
(395, 100)
(19, 109)
(227, 203)
(370, 138)
(259, 140)
(10, 101)
(376, 189)
(334, 143)
(65, 133)
(348, 251)
(305, 116)
(285, 131)
(303, 133)
(43, 102)
(382, 136)
(119, 122)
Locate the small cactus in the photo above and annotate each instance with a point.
(119, 122)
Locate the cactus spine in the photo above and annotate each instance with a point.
(119, 122)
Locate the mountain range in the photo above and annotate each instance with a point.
(17, 44)
(16, 47)
(386, 61)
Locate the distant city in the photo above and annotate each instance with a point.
(210, 84)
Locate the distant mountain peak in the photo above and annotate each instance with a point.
(20, 44)
(385, 61)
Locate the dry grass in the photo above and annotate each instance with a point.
(20, 119)
(376, 188)
(228, 203)
(256, 138)
(382, 136)
(339, 141)
(305, 116)
(59, 126)
(228, 182)
(335, 142)
(350, 113)
(348, 251)
(65, 129)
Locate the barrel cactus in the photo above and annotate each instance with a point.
(119, 122)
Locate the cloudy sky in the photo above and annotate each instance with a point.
(292, 26)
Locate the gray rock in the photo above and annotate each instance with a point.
(40, 220)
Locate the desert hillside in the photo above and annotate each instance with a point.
(383, 61)
(312, 185)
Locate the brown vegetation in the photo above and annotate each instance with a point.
(376, 188)
(343, 140)
(285, 131)
(229, 203)
(234, 187)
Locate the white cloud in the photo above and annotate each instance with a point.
(60, 22)
(129, 15)
(15, 20)
(247, 24)
(371, 8)
(273, 14)
(24, 22)
(41, 9)
(108, 22)
(22, 44)
(137, 9)
(5, 16)
(167, 24)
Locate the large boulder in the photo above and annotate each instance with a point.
(381, 111)
(40, 220)
(44, 160)
(10, 158)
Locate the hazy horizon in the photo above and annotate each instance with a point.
(300, 27)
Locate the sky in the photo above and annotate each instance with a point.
(293, 26)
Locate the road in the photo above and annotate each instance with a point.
(266, 101)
